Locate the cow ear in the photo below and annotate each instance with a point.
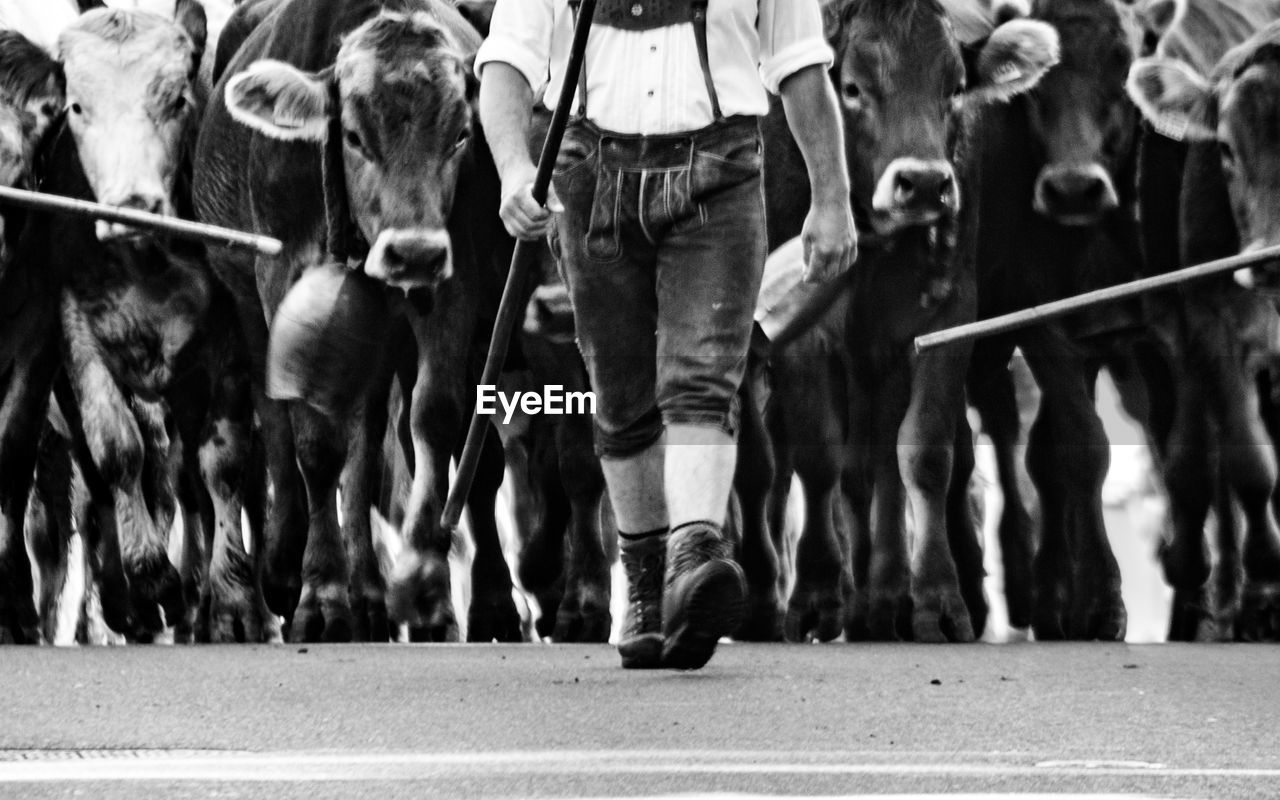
(831, 22)
(478, 12)
(190, 16)
(281, 101)
(1173, 97)
(1012, 60)
(1157, 17)
(1008, 10)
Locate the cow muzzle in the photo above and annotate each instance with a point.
(1075, 195)
(411, 259)
(115, 231)
(915, 192)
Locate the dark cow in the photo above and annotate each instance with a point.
(354, 119)
(911, 99)
(116, 312)
(1226, 207)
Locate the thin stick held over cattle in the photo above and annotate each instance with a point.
(180, 228)
(522, 261)
(1060, 308)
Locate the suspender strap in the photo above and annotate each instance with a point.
(574, 5)
(698, 15)
(699, 8)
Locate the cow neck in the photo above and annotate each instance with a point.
(931, 249)
(343, 239)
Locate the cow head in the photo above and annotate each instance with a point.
(399, 96)
(130, 79)
(1081, 120)
(903, 80)
(17, 149)
(31, 81)
(1239, 108)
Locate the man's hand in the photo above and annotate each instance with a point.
(830, 241)
(523, 217)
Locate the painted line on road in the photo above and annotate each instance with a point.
(61, 766)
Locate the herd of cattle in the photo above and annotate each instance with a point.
(1002, 154)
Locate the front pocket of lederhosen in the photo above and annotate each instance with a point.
(711, 171)
(589, 190)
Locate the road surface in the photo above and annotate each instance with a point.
(564, 721)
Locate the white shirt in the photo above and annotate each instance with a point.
(651, 82)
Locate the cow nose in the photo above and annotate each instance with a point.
(923, 186)
(417, 255)
(1076, 194)
(142, 202)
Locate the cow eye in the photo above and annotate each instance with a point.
(851, 90)
(463, 138)
(76, 108)
(353, 140)
(179, 104)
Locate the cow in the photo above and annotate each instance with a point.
(911, 101)
(351, 118)
(1226, 207)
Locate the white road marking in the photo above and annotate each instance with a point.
(45, 766)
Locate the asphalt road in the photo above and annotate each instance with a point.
(563, 721)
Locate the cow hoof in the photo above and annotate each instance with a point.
(240, 624)
(548, 612)
(979, 609)
(282, 589)
(419, 596)
(323, 615)
(1188, 616)
(370, 615)
(18, 621)
(814, 615)
(889, 619)
(1104, 620)
(941, 618)
(857, 626)
(583, 618)
(494, 620)
(1259, 619)
(156, 581)
(764, 622)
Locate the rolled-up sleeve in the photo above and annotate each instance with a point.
(791, 38)
(520, 34)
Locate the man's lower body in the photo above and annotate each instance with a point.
(663, 245)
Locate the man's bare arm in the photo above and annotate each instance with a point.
(830, 240)
(506, 107)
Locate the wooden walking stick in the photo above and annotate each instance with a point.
(143, 220)
(522, 261)
(1059, 308)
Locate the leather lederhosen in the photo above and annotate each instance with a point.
(647, 15)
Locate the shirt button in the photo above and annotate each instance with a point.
(637, 10)
(653, 48)
(651, 93)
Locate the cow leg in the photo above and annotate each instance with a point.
(816, 425)
(587, 578)
(49, 527)
(1190, 482)
(1078, 580)
(752, 482)
(537, 499)
(926, 455)
(856, 495)
(197, 519)
(324, 608)
(361, 475)
(964, 528)
(492, 615)
(116, 443)
(1248, 460)
(890, 616)
(992, 392)
(22, 413)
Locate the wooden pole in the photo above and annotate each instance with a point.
(1059, 308)
(181, 228)
(522, 261)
